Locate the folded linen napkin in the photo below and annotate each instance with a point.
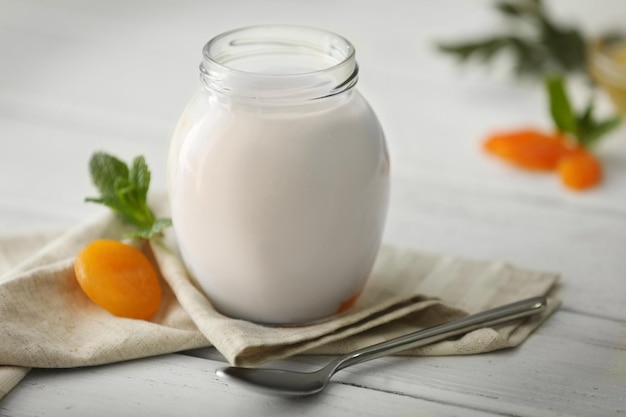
(47, 321)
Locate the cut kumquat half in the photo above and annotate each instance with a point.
(579, 170)
(529, 149)
(118, 278)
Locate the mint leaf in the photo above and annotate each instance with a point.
(585, 120)
(149, 232)
(105, 169)
(560, 107)
(537, 42)
(139, 176)
(583, 128)
(596, 130)
(110, 201)
(125, 191)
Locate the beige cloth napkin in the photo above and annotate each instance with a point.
(46, 321)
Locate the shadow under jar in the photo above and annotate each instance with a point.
(278, 176)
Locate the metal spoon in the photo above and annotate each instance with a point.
(284, 382)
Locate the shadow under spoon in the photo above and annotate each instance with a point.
(292, 383)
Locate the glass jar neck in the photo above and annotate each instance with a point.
(279, 64)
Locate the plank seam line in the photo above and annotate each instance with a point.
(592, 315)
(416, 397)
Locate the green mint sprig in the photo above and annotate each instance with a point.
(541, 44)
(124, 189)
(583, 127)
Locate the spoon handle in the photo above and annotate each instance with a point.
(463, 325)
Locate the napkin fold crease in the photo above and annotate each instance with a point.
(47, 321)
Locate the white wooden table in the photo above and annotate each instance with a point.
(80, 76)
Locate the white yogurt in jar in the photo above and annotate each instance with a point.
(279, 209)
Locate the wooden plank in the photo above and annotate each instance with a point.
(573, 365)
(562, 370)
(184, 385)
(583, 244)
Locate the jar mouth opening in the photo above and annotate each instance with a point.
(274, 62)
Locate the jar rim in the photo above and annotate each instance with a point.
(279, 62)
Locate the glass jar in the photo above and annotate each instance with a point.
(279, 176)
(607, 66)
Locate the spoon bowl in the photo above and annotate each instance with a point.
(280, 381)
(292, 383)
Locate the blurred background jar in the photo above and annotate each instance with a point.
(607, 66)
